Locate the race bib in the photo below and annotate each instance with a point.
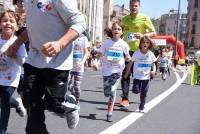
(131, 37)
(144, 67)
(77, 56)
(163, 64)
(114, 55)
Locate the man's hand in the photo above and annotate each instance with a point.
(51, 49)
(138, 35)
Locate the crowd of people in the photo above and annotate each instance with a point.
(45, 60)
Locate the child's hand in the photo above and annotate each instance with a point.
(12, 51)
(79, 64)
(126, 76)
(154, 74)
(94, 67)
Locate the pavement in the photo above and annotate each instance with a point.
(182, 68)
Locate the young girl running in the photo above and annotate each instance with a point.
(112, 53)
(80, 55)
(10, 69)
(143, 60)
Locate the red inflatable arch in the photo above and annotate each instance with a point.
(170, 39)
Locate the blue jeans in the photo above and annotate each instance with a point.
(7, 101)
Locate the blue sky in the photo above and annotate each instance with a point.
(155, 8)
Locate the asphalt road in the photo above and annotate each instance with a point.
(177, 113)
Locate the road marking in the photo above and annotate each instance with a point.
(131, 118)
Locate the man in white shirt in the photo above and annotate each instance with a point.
(51, 27)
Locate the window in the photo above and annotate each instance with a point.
(196, 4)
(194, 18)
(192, 42)
(193, 29)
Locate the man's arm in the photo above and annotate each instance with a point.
(12, 50)
(150, 34)
(74, 19)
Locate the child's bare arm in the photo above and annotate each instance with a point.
(128, 69)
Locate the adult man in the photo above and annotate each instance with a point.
(51, 27)
(136, 25)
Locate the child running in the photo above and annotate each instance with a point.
(10, 69)
(80, 55)
(163, 63)
(113, 63)
(143, 60)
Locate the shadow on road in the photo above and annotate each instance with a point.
(93, 102)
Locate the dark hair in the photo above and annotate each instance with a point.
(10, 12)
(134, 1)
(148, 39)
(108, 31)
(14, 2)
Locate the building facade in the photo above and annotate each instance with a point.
(1, 6)
(193, 23)
(167, 25)
(119, 12)
(97, 14)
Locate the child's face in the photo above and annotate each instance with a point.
(8, 24)
(163, 53)
(117, 31)
(145, 45)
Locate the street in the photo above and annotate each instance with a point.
(172, 108)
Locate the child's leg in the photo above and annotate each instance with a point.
(70, 85)
(143, 94)
(112, 98)
(77, 84)
(5, 95)
(106, 86)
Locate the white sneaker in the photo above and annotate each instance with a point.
(20, 110)
(72, 114)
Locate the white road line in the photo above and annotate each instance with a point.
(131, 118)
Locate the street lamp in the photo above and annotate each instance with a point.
(177, 31)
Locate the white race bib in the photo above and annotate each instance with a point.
(114, 55)
(145, 67)
(77, 56)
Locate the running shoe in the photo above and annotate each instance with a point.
(109, 117)
(71, 111)
(124, 102)
(20, 109)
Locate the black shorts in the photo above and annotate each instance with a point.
(45, 88)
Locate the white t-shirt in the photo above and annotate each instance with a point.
(164, 61)
(79, 45)
(142, 64)
(10, 70)
(113, 59)
(49, 20)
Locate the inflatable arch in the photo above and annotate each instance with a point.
(170, 39)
